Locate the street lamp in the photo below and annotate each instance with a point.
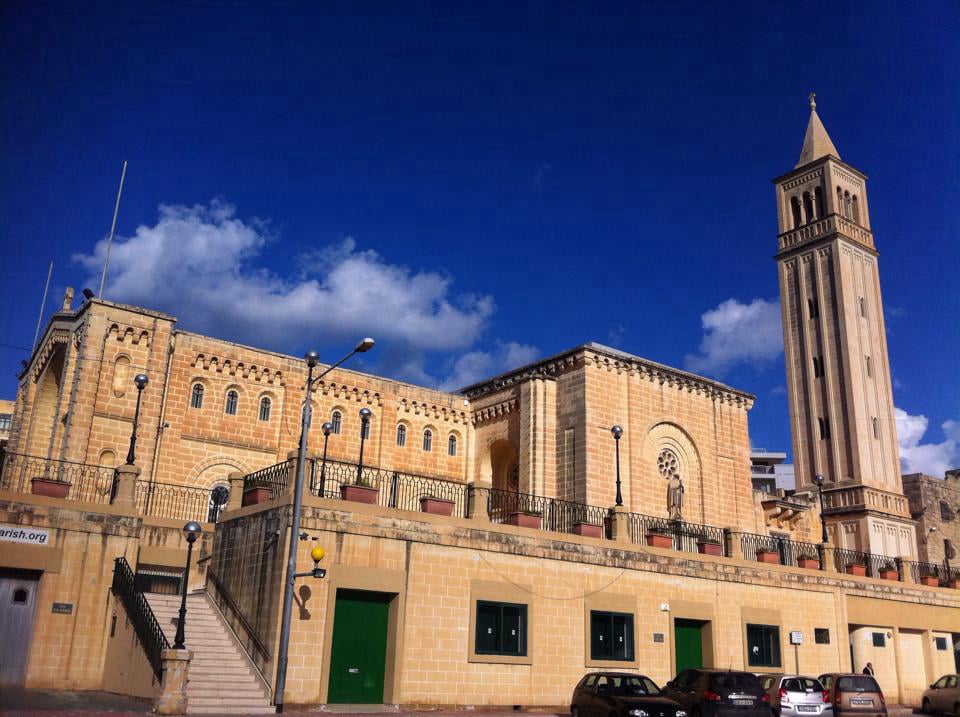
(818, 480)
(140, 380)
(191, 531)
(617, 432)
(365, 414)
(327, 429)
(313, 359)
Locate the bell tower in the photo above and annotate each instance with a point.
(838, 375)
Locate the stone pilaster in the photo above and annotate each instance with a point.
(125, 494)
(173, 687)
(732, 536)
(619, 524)
(829, 563)
(236, 490)
(292, 471)
(478, 501)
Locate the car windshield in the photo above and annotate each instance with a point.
(734, 681)
(802, 684)
(632, 685)
(858, 683)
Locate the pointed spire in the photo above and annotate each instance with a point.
(816, 143)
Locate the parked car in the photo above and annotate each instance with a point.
(719, 693)
(943, 696)
(621, 694)
(852, 694)
(796, 696)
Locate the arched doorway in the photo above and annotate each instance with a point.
(504, 470)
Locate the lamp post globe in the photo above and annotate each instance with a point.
(191, 531)
(312, 358)
(617, 432)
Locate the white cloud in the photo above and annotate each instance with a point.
(930, 458)
(735, 333)
(478, 365)
(204, 264)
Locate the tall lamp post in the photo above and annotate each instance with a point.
(617, 432)
(327, 429)
(191, 531)
(818, 480)
(365, 414)
(140, 380)
(312, 359)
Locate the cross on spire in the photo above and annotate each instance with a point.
(813, 100)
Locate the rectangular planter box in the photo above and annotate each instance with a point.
(658, 540)
(955, 584)
(710, 549)
(809, 563)
(930, 581)
(588, 530)
(252, 496)
(524, 520)
(889, 575)
(50, 488)
(858, 570)
(768, 556)
(359, 494)
(437, 506)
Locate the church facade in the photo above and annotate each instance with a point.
(592, 509)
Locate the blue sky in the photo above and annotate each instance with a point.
(478, 185)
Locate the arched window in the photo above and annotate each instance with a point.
(869, 364)
(365, 428)
(876, 428)
(840, 207)
(401, 435)
(337, 421)
(847, 208)
(808, 207)
(265, 408)
(818, 203)
(428, 440)
(812, 308)
(856, 210)
(824, 428)
(233, 398)
(452, 445)
(795, 210)
(196, 396)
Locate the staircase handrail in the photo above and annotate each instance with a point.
(221, 598)
(141, 615)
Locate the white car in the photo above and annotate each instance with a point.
(797, 696)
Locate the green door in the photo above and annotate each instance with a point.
(359, 651)
(689, 644)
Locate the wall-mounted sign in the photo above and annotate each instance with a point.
(63, 608)
(796, 637)
(18, 534)
(658, 637)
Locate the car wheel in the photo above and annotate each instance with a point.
(614, 714)
(695, 712)
(574, 711)
(956, 709)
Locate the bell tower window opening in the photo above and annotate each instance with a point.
(818, 366)
(818, 202)
(813, 308)
(847, 206)
(840, 207)
(856, 209)
(808, 207)
(824, 424)
(869, 366)
(427, 440)
(863, 307)
(452, 446)
(876, 427)
(795, 211)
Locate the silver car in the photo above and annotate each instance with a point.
(943, 696)
(797, 696)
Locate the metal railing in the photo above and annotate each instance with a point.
(140, 613)
(556, 515)
(685, 536)
(77, 481)
(181, 502)
(273, 477)
(941, 572)
(788, 551)
(394, 488)
(241, 626)
(871, 562)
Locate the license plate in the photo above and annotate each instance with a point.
(861, 702)
(743, 703)
(807, 708)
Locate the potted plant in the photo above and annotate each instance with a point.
(50, 487)
(928, 578)
(856, 568)
(708, 546)
(888, 571)
(524, 519)
(659, 540)
(588, 530)
(359, 492)
(436, 506)
(256, 494)
(808, 561)
(768, 555)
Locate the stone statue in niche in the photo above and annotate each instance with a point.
(675, 497)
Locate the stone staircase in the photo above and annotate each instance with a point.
(221, 678)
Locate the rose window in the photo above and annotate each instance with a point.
(667, 464)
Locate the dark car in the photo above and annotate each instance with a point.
(621, 694)
(854, 695)
(719, 693)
